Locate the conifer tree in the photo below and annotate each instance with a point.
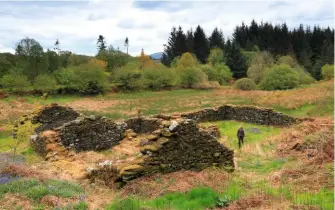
(101, 43)
(237, 62)
(190, 41)
(216, 39)
(201, 45)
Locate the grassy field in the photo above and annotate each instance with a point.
(314, 100)
(258, 166)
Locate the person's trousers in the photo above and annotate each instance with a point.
(240, 141)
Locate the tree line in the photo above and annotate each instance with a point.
(312, 48)
(282, 59)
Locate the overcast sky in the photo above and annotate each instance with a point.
(147, 24)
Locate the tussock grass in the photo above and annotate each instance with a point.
(35, 190)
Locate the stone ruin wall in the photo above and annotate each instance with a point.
(250, 114)
(173, 143)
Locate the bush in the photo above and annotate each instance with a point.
(128, 79)
(216, 56)
(45, 83)
(15, 82)
(327, 71)
(245, 84)
(287, 60)
(190, 77)
(211, 73)
(88, 78)
(304, 77)
(220, 73)
(156, 79)
(259, 63)
(64, 76)
(186, 61)
(224, 73)
(280, 77)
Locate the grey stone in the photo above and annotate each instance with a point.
(174, 125)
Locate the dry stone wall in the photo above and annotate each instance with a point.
(91, 133)
(175, 145)
(250, 114)
(53, 116)
(169, 143)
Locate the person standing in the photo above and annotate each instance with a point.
(240, 136)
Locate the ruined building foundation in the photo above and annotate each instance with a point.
(161, 143)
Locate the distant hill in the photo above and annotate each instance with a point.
(156, 56)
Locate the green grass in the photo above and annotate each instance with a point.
(195, 199)
(151, 94)
(36, 190)
(5, 138)
(60, 99)
(229, 129)
(261, 165)
(323, 199)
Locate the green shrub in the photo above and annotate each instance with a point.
(189, 77)
(88, 78)
(224, 73)
(15, 82)
(280, 77)
(187, 60)
(287, 60)
(327, 71)
(304, 77)
(156, 79)
(219, 72)
(211, 73)
(128, 79)
(216, 56)
(245, 84)
(64, 76)
(258, 66)
(45, 83)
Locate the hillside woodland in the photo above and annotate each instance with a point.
(272, 57)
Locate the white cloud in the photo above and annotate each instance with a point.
(78, 24)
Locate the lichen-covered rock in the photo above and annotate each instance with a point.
(86, 133)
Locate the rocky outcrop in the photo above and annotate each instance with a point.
(91, 133)
(250, 114)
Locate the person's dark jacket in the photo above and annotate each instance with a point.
(240, 133)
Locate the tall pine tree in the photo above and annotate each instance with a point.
(190, 41)
(216, 39)
(201, 45)
(170, 48)
(180, 44)
(101, 43)
(237, 62)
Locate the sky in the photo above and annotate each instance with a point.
(147, 24)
